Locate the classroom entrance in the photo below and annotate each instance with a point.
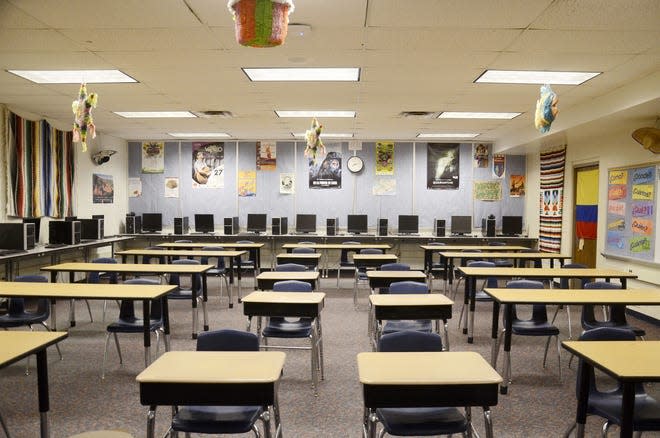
(585, 212)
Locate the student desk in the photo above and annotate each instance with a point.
(265, 280)
(295, 305)
(69, 291)
(326, 247)
(472, 274)
(138, 268)
(310, 260)
(363, 262)
(232, 256)
(408, 306)
(645, 297)
(16, 345)
(212, 378)
(629, 362)
(430, 379)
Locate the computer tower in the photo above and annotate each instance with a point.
(16, 235)
(133, 224)
(439, 228)
(181, 225)
(331, 226)
(91, 229)
(64, 232)
(279, 226)
(231, 225)
(382, 227)
(488, 227)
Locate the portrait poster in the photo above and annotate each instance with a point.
(247, 183)
(488, 190)
(153, 157)
(442, 165)
(134, 187)
(517, 186)
(499, 165)
(103, 189)
(266, 155)
(384, 187)
(172, 187)
(384, 158)
(208, 165)
(480, 154)
(325, 173)
(287, 183)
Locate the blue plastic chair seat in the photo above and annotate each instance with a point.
(282, 328)
(399, 325)
(181, 294)
(422, 421)
(608, 405)
(132, 325)
(216, 419)
(534, 328)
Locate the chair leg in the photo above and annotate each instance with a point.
(121, 360)
(569, 430)
(105, 354)
(558, 356)
(545, 353)
(89, 310)
(604, 430)
(488, 423)
(468, 418)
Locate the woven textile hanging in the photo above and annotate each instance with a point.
(551, 199)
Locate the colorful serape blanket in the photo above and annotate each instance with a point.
(551, 199)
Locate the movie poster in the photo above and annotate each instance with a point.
(247, 183)
(266, 155)
(326, 173)
(385, 158)
(153, 157)
(480, 155)
(103, 189)
(442, 165)
(208, 165)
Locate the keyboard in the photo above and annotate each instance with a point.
(6, 252)
(54, 245)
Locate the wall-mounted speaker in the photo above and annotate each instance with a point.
(382, 227)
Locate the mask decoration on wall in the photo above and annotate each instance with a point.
(83, 122)
(315, 146)
(261, 23)
(546, 109)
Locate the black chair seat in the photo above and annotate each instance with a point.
(216, 271)
(216, 419)
(534, 328)
(422, 421)
(608, 405)
(590, 326)
(181, 294)
(482, 296)
(417, 325)
(22, 319)
(282, 328)
(503, 263)
(132, 325)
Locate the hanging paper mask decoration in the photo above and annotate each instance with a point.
(315, 146)
(261, 23)
(83, 123)
(546, 109)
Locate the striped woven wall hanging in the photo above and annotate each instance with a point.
(551, 199)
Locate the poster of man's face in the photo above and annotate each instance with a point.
(442, 166)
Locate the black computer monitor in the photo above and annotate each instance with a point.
(408, 224)
(461, 225)
(512, 225)
(37, 225)
(204, 223)
(256, 222)
(305, 223)
(152, 222)
(357, 223)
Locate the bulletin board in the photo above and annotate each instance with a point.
(632, 218)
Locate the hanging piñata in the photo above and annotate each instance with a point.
(546, 109)
(315, 146)
(83, 122)
(261, 23)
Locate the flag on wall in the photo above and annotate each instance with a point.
(551, 198)
(586, 208)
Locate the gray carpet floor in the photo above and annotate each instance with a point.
(538, 403)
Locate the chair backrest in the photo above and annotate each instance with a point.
(174, 278)
(183, 241)
(409, 340)
(442, 259)
(408, 287)
(31, 278)
(496, 243)
(227, 340)
(539, 312)
(252, 252)
(490, 281)
(371, 251)
(290, 267)
(147, 259)
(16, 306)
(564, 283)
(220, 261)
(602, 285)
(292, 286)
(343, 258)
(303, 250)
(538, 263)
(95, 277)
(128, 306)
(466, 259)
(617, 312)
(395, 267)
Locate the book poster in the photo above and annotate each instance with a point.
(172, 187)
(208, 165)
(385, 158)
(266, 155)
(488, 190)
(153, 157)
(326, 173)
(247, 183)
(499, 165)
(134, 187)
(517, 186)
(287, 184)
(103, 189)
(480, 155)
(442, 166)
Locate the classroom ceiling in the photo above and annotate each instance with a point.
(421, 55)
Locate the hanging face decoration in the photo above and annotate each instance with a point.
(546, 109)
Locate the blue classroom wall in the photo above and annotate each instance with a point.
(354, 197)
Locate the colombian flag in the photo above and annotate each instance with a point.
(586, 213)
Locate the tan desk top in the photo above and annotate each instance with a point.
(412, 275)
(129, 267)
(302, 256)
(410, 300)
(179, 252)
(625, 360)
(99, 291)
(504, 255)
(437, 368)
(214, 243)
(337, 245)
(546, 272)
(375, 257)
(15, 345)
(487, 248)
(277, 297)
(576, 296)
(214, 367)
(289, 275)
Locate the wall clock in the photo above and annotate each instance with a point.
(355, 164)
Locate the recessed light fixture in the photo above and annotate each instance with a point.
(535, 77)
(155, 114)
(473, 115)
(449, 135)
(199, 134)
(312, 113)
(73, 76)
(326, 134)
(351, 74)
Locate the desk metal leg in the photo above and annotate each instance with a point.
(42, 384)
(151, 422)
(146, 319)
(627, 409)
(371, 424)
(205, 298)
(488, 422)
(446, 326)
(320, 338)
(466, 303)
(493, 334)
(507, 350)
(471, 298)
(583, 398)
(166, 322)
(276, 414)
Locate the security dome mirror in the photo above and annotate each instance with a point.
(102, 156)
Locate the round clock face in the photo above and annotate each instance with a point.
(355, 164)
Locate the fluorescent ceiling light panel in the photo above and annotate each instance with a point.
(535, 77)
(315, 113)
(449, 135)
(155, 114)
(73, 76)
(327, 135)
(473, 115)
(199, 134)
(303, 74)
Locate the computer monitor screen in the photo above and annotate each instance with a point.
(512, 225)
(305, 223)
(256, 223)
(37, 225)
(357, 223)
(461, 225)
(408, 224)
(204, 223)
(152, 222)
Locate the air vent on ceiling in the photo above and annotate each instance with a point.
(214, 113)
(418, 114)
